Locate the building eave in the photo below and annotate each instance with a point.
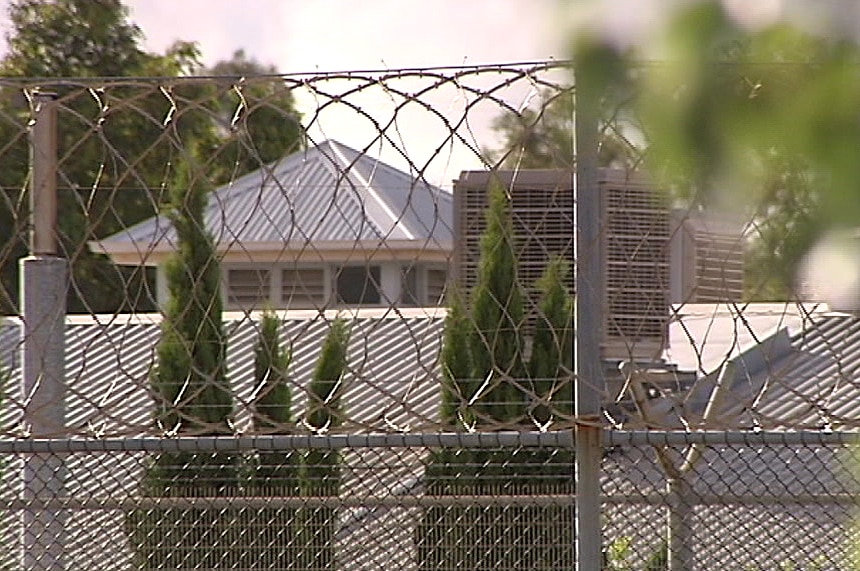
(124, 253)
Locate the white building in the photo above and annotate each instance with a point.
(325, 227)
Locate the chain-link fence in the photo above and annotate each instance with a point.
(423, 501)
(742, 501)
(327, 322)
(295, 502)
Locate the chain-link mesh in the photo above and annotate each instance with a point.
(754, 501)
(394, 254)
(278, 504)
(748, 502)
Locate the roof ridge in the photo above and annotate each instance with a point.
(374, 201)
(349, 168)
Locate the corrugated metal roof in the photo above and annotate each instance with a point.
(805, 373)
(793, 370)
(392, 384)
(328, 192)
(703, 335)
(792, 366)
(739, 533)
(814, 384)
(392, 379)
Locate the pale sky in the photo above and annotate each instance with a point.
(301, 36)
(339, 35)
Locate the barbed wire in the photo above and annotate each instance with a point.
(114, 184)
(391, 254)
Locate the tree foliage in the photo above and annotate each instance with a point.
(541, 136)
(276, 473)
(762, 123)
(495, 339)
(320, 474)
(761, 120)
(83, 38)
(324, 408)
(98, 192)
(551, 360)
(272, 405)
(190, 378)
(786, 223)
(258, 116)
(456, 361)
(759, 125)
(192, 397)
(116, 138)
(485, 337)
(486, 380)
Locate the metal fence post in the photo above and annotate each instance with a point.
(44, 284)
(587, 328)
(680, 527)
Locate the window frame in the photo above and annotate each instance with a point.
(375, 281)
(266, 290)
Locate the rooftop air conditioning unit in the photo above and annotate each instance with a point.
(635, 240)
(542, 217)
(707, 258)
(635, 237)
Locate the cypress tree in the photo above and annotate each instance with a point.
(324, 408)
(190, 377)
(271, 362)
(448, 465)
(324, 405)
(551, 360)
(551, 370)
(276, 473)
(456, 362)
(495, 341)
(272, 406)
(320, 476)
(482, 359)
(190, 384)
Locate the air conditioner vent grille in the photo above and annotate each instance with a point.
(635, 229)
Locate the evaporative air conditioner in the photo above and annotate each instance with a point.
(707, 258)
(634, 244)
(542, 216)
